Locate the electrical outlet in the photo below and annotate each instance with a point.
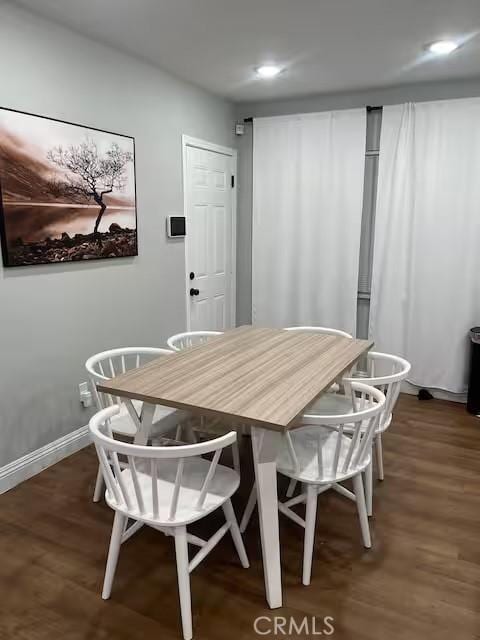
(85, 394)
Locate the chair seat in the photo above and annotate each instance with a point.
(334, 404)
(164, 419)
(305, 444)
(330, 404)
(223, 485)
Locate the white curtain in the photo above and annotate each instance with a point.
(308, 173)
(426, 269)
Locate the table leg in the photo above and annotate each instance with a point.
(143, 422)
(264, 445)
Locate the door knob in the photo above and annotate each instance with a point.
(194, 292)
(192, 275)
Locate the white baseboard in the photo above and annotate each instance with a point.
(32, 463)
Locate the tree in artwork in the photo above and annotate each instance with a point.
(88, 174)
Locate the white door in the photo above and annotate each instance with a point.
(210, 239)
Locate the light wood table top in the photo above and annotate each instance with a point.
(260, 376)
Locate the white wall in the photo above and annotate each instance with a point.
(53, 317)
(323, 102)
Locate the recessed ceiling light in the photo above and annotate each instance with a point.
(268, 71)
(442, 47)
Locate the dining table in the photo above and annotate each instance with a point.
(261, 377)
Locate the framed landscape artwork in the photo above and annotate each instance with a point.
(67, 192)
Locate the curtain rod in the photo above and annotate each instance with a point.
(368, 108)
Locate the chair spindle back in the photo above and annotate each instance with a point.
(143, 466)
(352, 446)
(108, 364)
(188, 339)
(385, 372)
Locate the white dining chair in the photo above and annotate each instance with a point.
(321, 454)
(335, 387)
(181, 341)
(166, 488)
(108, 364)
(386, 372)
(325, 330)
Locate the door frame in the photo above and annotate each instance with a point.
(189, 141)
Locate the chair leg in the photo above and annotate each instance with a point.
(113, 552)
(291, 487)
(310, 521)
(99, 486)
(369, 488)
(190, 434)
(235, 532)
(379, 452)
(362, 510)
(181, 550)
(247, 514)
(236, 456)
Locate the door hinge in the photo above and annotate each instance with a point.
(233, 182)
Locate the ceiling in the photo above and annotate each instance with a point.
(324, 45)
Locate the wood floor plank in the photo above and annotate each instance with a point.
(420, 580)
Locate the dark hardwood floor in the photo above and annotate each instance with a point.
(421, 579)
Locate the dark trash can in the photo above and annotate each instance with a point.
(473, 398)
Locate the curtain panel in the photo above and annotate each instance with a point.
(426, 267)
(308, 175)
